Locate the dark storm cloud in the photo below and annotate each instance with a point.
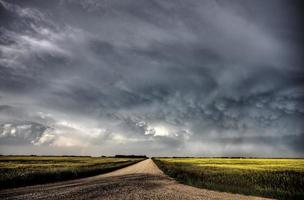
(205, 78)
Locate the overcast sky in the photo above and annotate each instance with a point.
(155, 77)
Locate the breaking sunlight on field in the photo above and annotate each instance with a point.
(28, 170)
(276, 178)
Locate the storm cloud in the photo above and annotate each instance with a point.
(155, 77)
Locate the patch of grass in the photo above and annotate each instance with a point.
(275, 178)
(18, 171)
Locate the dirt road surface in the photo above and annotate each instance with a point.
(137, 182)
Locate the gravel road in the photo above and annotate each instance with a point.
(137, 182)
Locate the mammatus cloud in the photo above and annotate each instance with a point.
(212, 78)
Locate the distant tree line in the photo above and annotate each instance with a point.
(131, 156)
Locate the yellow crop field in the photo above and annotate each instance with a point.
(277, 178)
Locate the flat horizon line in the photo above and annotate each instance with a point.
(113, 156)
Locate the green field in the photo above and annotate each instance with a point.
(276, 178)
(28, 170)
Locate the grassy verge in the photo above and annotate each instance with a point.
(16, 171)
(275, 178)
